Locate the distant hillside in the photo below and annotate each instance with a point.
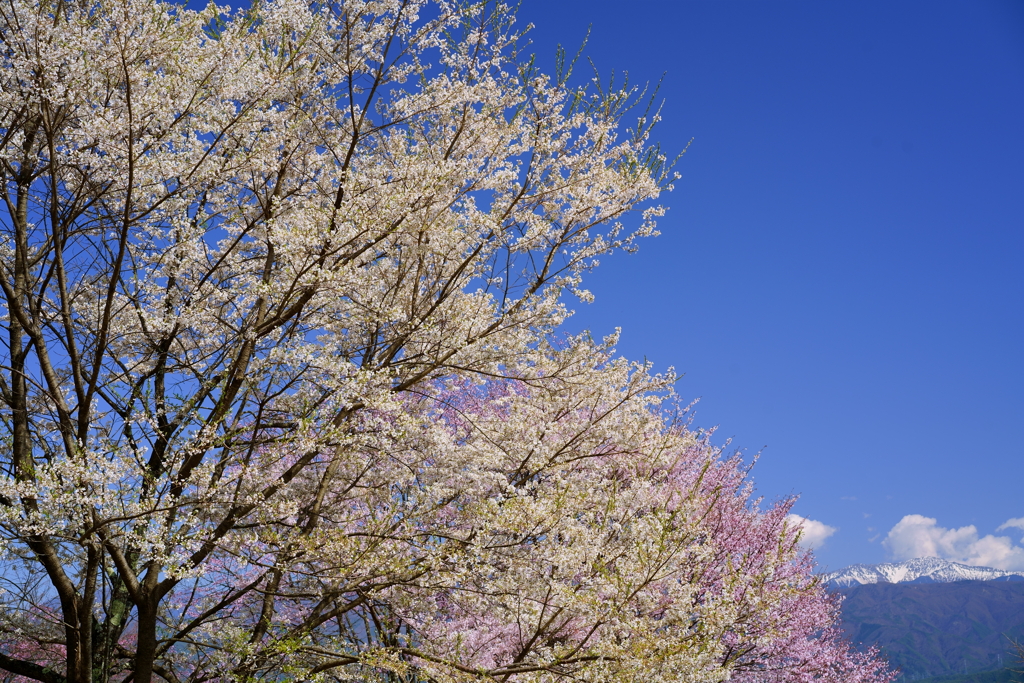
(1000, 676)
(938, 629)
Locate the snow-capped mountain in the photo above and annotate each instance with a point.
(920, 570)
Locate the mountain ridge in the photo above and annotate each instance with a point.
(919, 570)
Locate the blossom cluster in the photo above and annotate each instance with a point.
(283, 391)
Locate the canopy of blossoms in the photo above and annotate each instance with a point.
(283, 391)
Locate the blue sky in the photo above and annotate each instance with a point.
(840, 275)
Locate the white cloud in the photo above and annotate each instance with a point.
(919, 536)
(812, 533)
(1015, 523)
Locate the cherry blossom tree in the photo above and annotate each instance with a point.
(284, 394)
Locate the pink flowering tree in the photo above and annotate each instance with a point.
(279, 391)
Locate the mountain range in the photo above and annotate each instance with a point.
(934, 618)
(920, 570)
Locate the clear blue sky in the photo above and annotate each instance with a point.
(840, 275)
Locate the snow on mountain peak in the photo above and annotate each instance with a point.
(919, 570)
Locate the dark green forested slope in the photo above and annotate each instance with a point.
(939, 629)
(1000, 676)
